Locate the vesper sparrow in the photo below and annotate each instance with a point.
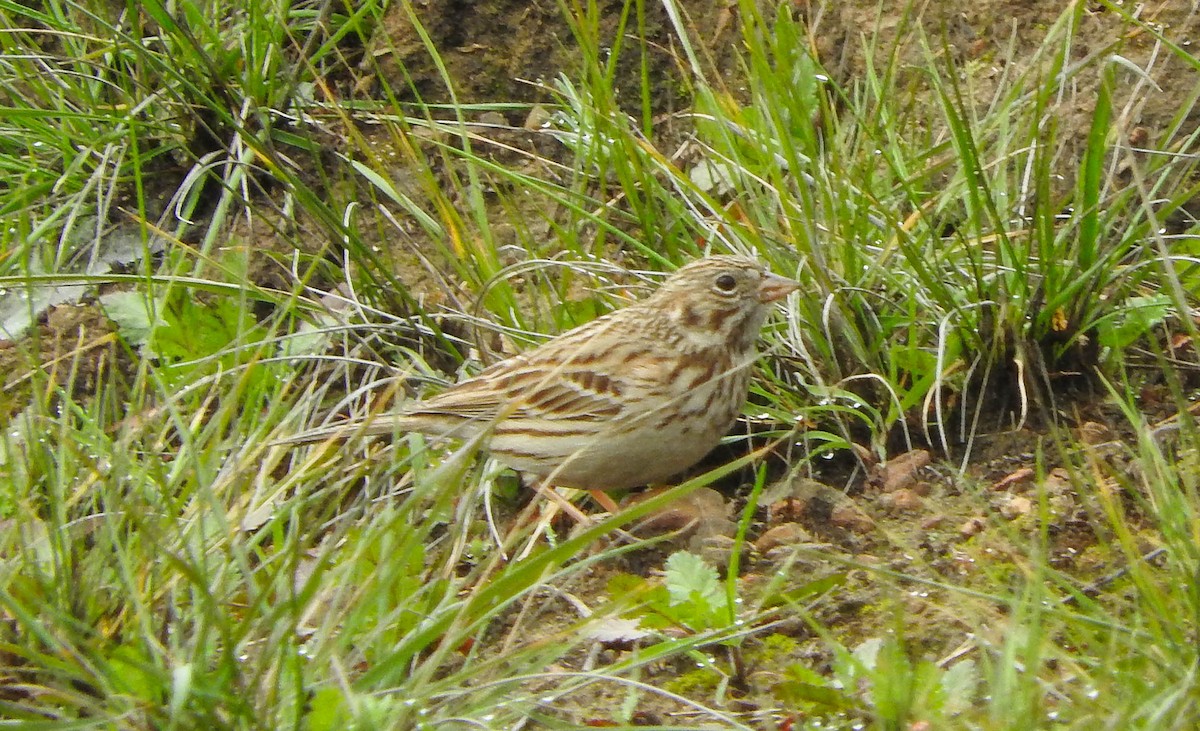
(631, 398)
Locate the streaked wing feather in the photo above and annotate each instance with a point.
(472, 399)
(569, 394)
(559, 381)
(529, 393)
(586, 374)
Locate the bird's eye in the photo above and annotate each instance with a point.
(726, 283)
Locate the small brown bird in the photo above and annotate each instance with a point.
(631, 398)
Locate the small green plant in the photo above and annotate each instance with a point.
(690, 597)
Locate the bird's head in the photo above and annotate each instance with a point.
(721, 300)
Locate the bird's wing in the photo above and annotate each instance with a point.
(530, 392)
(585, 374)
(472, 399)
(570, 393)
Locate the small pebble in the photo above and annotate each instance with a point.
(903, 500)
(972, 527)
(784, 534)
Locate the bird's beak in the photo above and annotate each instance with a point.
(774, 287)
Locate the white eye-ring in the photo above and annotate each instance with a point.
(726, 283)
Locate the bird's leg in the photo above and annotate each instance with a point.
(604, 500)
(561, 502)
(556, 502)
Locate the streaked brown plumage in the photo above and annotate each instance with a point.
(631, 398)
